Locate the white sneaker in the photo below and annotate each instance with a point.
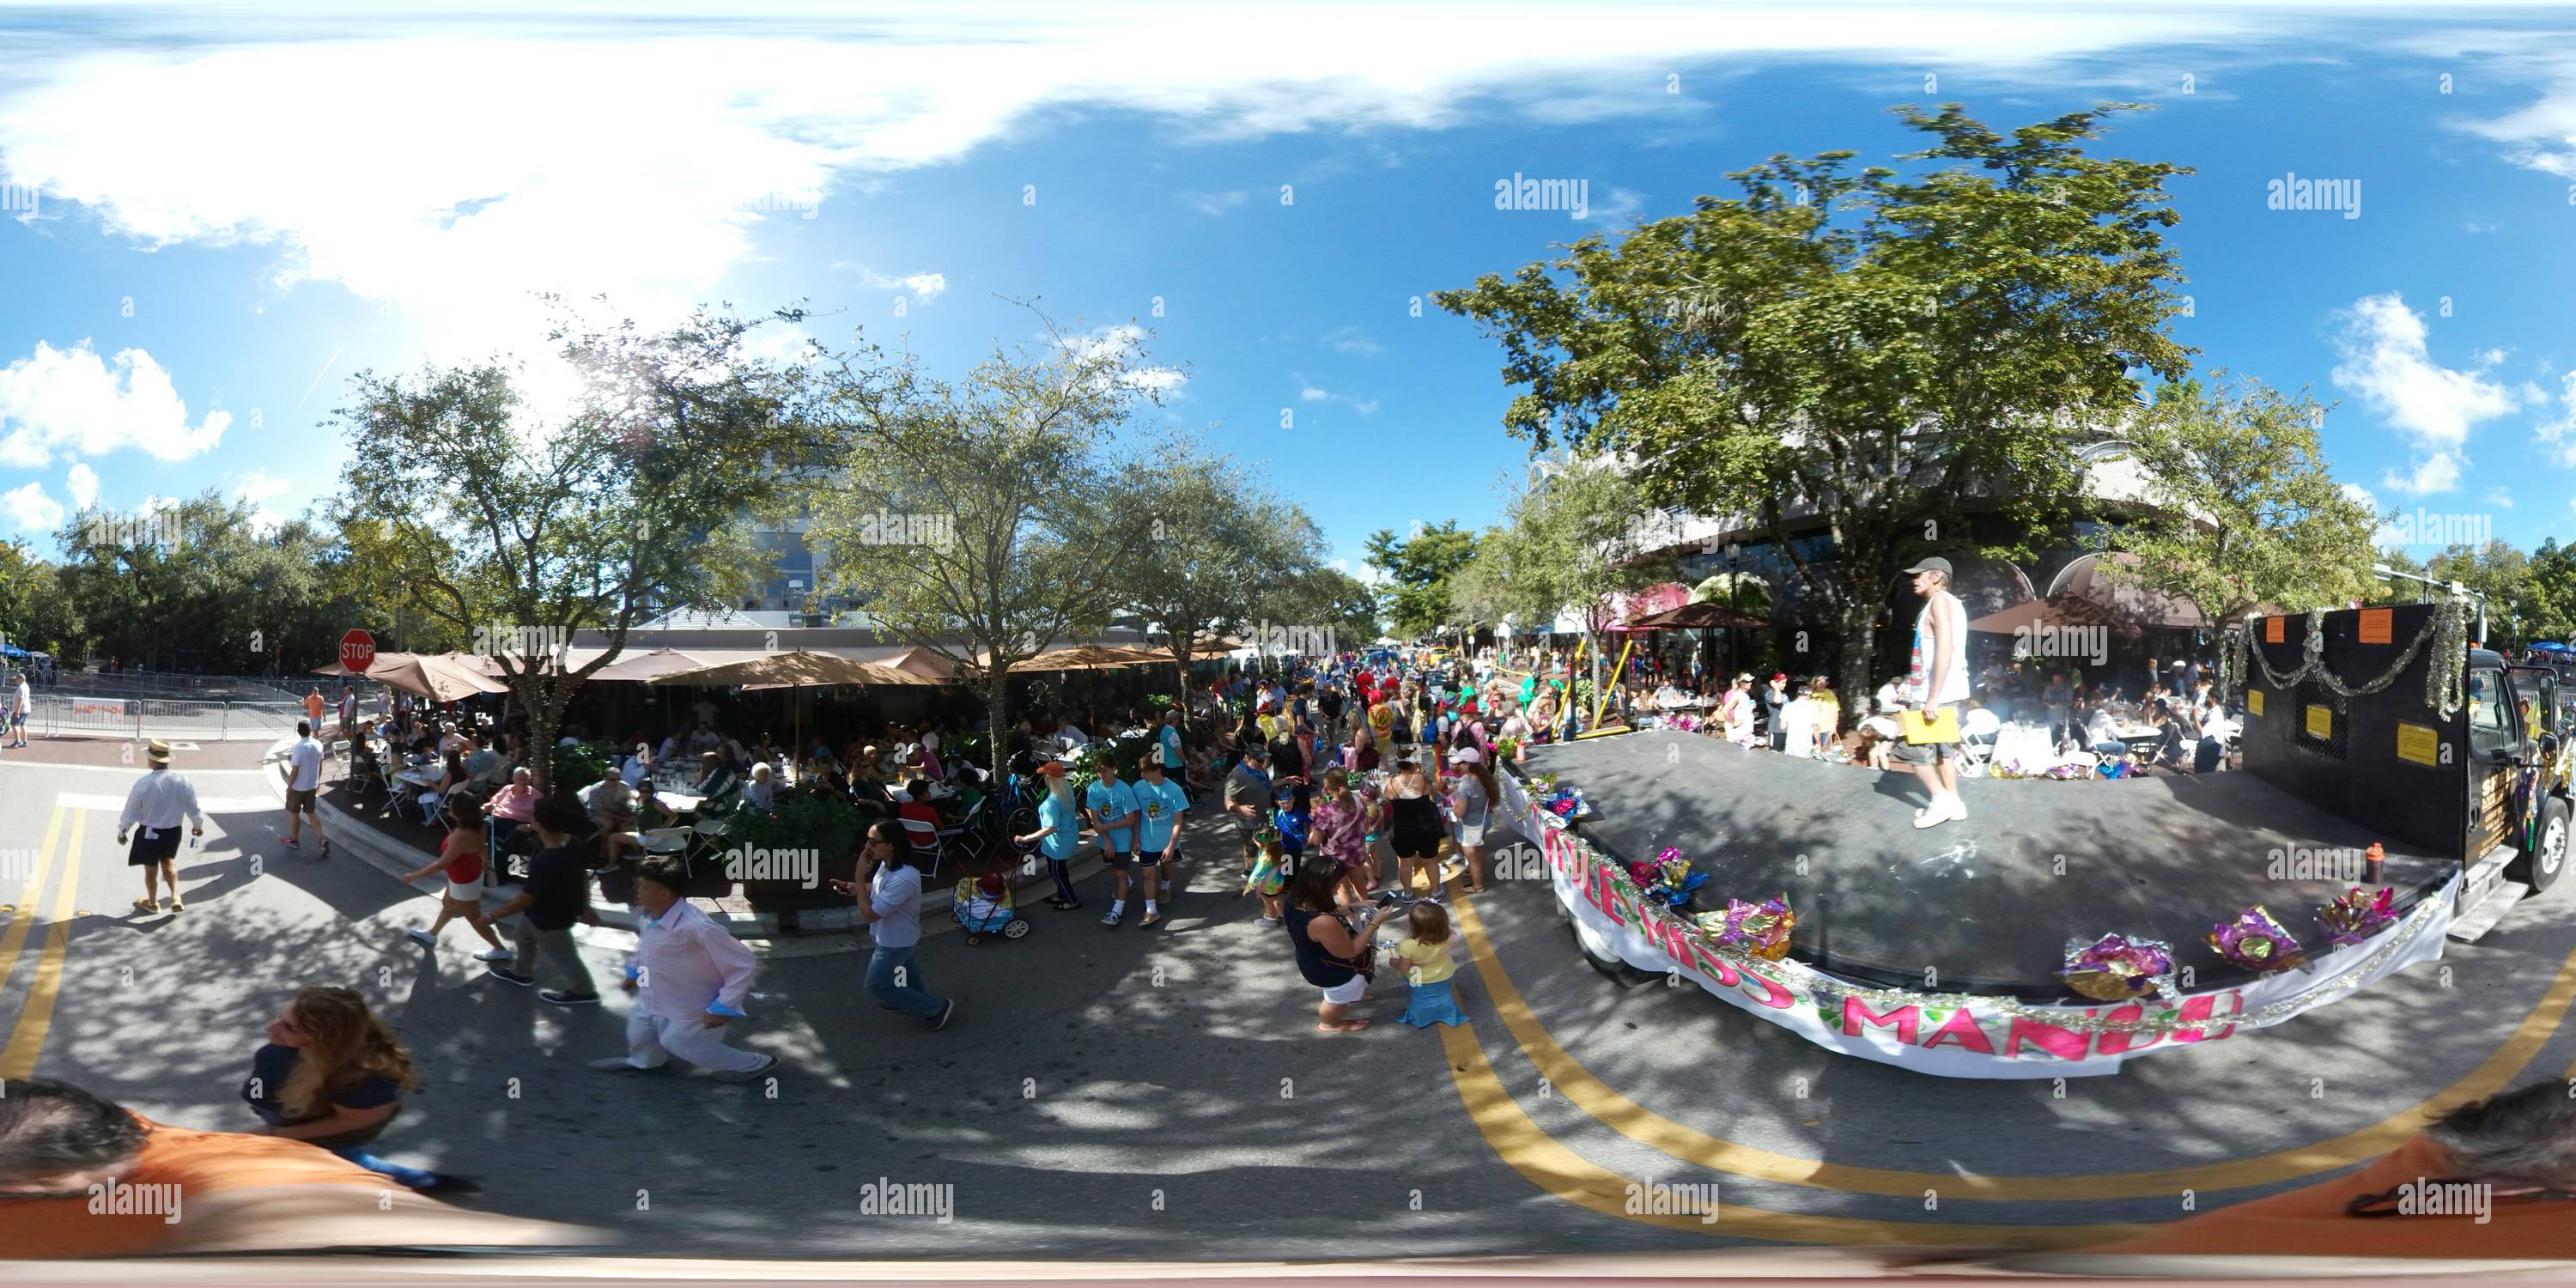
(420, 937)
(494, 955)
(1958, 809)
(1941, 810)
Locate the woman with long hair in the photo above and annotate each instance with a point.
(1059, 833)
(1413, 822)
(888, 889)
(462, 857)
(1341, 833)
(1472, 809)
(333, 1074)
(1331, 945)
(454, 778)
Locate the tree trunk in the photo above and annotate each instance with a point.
(1859, 658)
(997, 703)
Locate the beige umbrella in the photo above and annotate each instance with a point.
(439, 679)
(798, 669)
(921, 661)
(650, 666)
(1081, 657)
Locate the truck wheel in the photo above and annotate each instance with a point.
(1609, 963)
(2547, 861)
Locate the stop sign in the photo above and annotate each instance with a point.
(358, 651)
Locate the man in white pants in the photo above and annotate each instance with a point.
(689, 978)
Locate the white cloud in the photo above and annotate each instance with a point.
(256, 487)
(82, 484)
(73, 402)
(646, 168)
(1216, 203)
(31, 510)
(1365, 407)
(1352, 340)
(2439, 472)
(1623, 203)
(922, 287)
(2498, 498)
(1312, 394)
(2386, 361)
(2558, 437)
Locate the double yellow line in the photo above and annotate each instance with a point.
(1546, 1163)
(27, 1037)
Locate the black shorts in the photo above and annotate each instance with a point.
(300, 801)
(149, 849)
(1415, 845)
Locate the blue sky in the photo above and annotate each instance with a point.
(236, 209)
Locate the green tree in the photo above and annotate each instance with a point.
(516, 527)
(1574, 537)
(2550, 609)
(2245, 512)
(2502, 575)
(1418, 569)
(1222, 553)
(1023, 524)
(1857, 351)
(1334, 600)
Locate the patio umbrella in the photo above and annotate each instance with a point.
(797, 669)
(1080, 657)
(642, 667)
(1705, 614)
(439, 679)
(2057, 612)
(921, 661)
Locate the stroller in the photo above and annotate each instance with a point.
(983, 906)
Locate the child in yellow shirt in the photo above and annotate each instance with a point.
(1425, 954)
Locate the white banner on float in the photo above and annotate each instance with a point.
(1985, 1038)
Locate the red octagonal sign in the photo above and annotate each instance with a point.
(358, 651)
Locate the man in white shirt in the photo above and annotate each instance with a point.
(157, 803)
(689, 979)
(22, 705)
(1798, 727)
(303, 771)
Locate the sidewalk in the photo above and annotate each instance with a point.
(375, 842)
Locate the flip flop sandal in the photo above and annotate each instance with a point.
(146, 905)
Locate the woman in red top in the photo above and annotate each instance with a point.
(461, 856)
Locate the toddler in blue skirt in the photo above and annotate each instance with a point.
(1425, 954)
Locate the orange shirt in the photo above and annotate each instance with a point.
(200, 1163)
(2311, 1222)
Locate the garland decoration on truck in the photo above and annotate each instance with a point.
(2445, 680)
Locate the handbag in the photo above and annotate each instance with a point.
(1943, 727)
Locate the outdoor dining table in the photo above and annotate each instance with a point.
(426, 776)
(679, 802)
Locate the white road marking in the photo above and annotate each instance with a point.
(210, 804)
(135, 772)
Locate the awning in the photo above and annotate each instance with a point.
(2057, 612)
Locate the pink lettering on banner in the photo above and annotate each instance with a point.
(1963, 1029)
(2065, 1044)
(1774, 994)
(2203, 1007)
(1597, 888)
(1706, 959)
(1903, 1019)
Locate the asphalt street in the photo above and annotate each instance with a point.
(1160, 1092)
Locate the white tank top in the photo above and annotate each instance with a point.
(1919, 676)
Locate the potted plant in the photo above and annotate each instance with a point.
(764, 850)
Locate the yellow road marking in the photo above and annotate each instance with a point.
(1541, 1161)
(1690, 1145)
(15, 937)
(18, 1059)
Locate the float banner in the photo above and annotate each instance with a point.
(112, 708)
(1946, 1034)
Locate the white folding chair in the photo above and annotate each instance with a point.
(927, 842)
(667, 840)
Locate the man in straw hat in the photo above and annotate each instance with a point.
(159, 799)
